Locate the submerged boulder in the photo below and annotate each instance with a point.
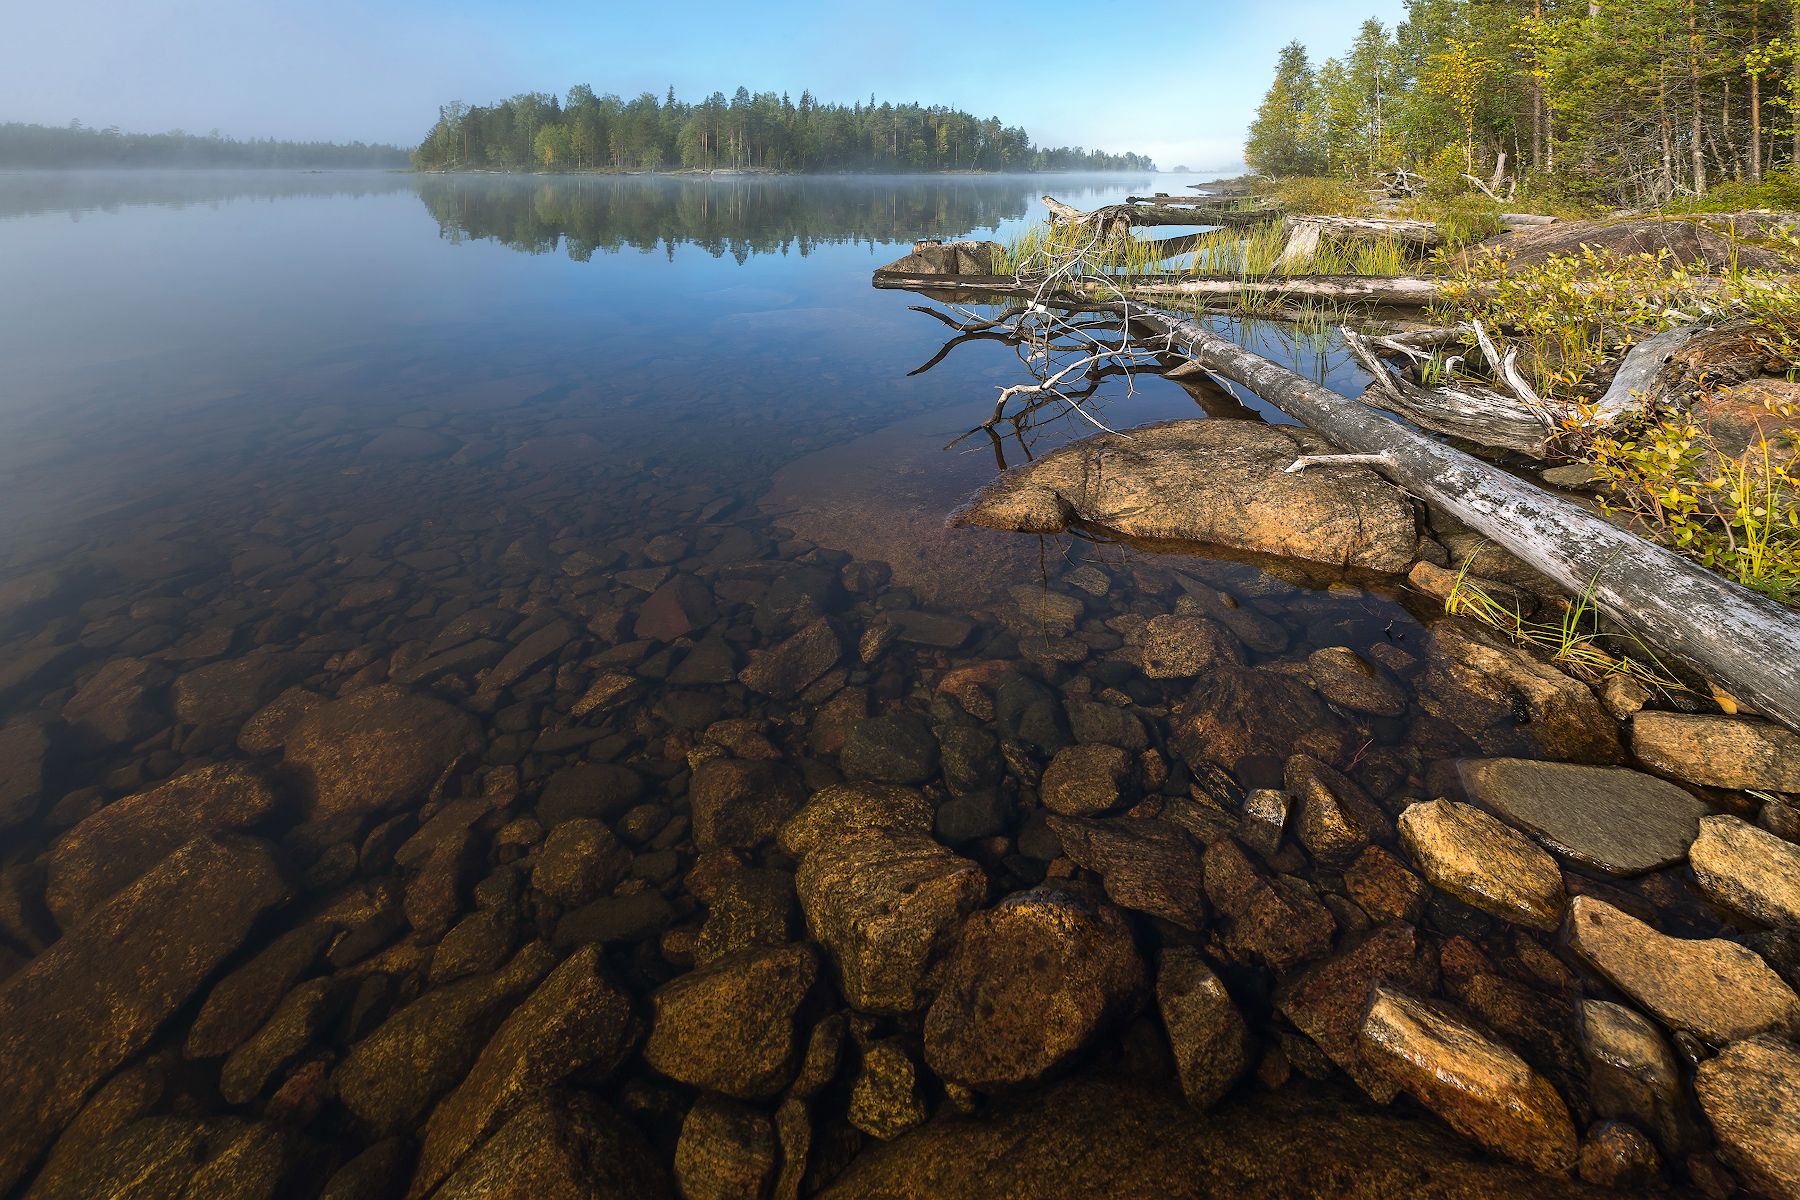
(1217, 482)
(91, 1001)
(376, 749)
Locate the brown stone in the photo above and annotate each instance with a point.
(1237, 713)
(1479, 1087)
(79, 1010)
(1083, 781)
(1217, 482)
(375, 749)
(1207, 1033)
(1716, 990)
(730, 1027)
(1484, 863)
(119, 843)
(1178, 647)
(1714, 751)
(1146, 864)
(1032, 980)
(1750, 1092)
(1327, 1002)
(1261, 918)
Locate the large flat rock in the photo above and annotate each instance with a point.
(1751, 1094)
(1222, 483)
(1613, 819)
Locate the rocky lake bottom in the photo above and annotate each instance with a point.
(530, 733)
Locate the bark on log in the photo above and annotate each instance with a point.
(1745, 643)
(1473, 414)
(1402, 291)
(1643, 379)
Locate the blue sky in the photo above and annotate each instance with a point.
(1178, 81)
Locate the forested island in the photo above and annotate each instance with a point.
(79, 145)
(743, 132)
(1638, 103)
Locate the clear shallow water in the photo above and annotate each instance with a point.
(313, 422)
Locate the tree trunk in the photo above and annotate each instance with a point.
(1745, 643)
(1755, 96)
(1696, 128)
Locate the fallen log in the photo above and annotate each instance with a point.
(1305, 234)
(1118, 220)
(1470, 413)
(1402, 291)
(1743, 642)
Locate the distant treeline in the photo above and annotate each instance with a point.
(78, 145)
(764, 131)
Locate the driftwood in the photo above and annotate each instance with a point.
(1745, 643)
(1401, 291)
(1305, 234)
(1473, 414)
(1644, 379)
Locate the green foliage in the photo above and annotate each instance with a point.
(1646, 102)
(1573, 640)
(1284, 137)
(761, 132)
(1738, 514)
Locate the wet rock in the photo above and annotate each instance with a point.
(886, 1099)
(1239, 713)
(1714, 751)
(1750, 1092)
(1480, 1088)
(727, 1151)
(117, 704)
(676, 609)
(375, 749)
(1177, 647)
(739, 804)
(1207, 481)
(1613, 819)
(390, 1078)
(1748, 870)
(1350, 681)
(132, 1093)
(561, 1145)
(1128, 1139)
(476, 944)
(1632, 1072)
(241, 1001)
(576, 1020)
(1027, 712)
(1032, 981)
(1270, 920)
(844, 809)
(1333, 817)
(224, 1158)
(1614, 1155)
(119, 843)
(633, 918)
(1206, 1031)
(898, 748)
(1483, 686)
(754, 908)
(730, 1027)
(1149, 865)
(527, 654)
(266, 731)
(225, 693)
(1483, 863)
(24, 747)
(1328, 1001)
(79, 1010)
(970, 759)
(938, 630)
(602, 790)
(887, 907)
(1083, 781)
(378, 1173)
(276, 1048)
(1384, 889)
(581, 859)
(1716, 990)
(1264, 820)
(784, 670)
(1091, 723)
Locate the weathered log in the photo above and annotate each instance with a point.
(1745, 643)
(1472, 414)
(1402, 291)
(1644, 379)
(1117, 220)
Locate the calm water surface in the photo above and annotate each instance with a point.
(313, 431)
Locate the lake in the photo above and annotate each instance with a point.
(494, 566)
